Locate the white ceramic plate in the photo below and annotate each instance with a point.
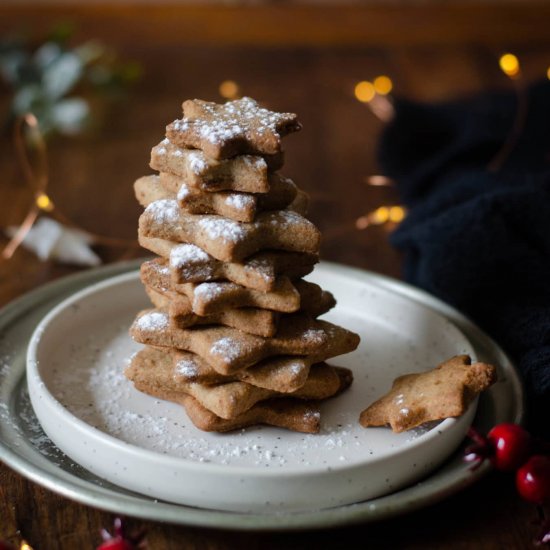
(92, 413)
(87, 407)
(25, 448)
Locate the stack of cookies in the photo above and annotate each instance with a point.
(234, 335)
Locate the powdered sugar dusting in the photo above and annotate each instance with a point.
(240, 201)
(234, 119)
(208, 292)
(261, 267)
(313, 335)
(152, 321)
(191, 262)
(197, 162)
(258, 163)
(160, 269)
(183, 192)
(186, 369)
(164, 211)
(187, 253)
(287, 219)
(225, 229)
(229, 348)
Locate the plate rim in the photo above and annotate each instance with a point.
(132, 277)
(83, 491)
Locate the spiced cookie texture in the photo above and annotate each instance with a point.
(262, 271)
(234, 337)
(237, 127)
(240, 207)
(443, 392)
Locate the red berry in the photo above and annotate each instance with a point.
(116, 544)
(511, 446)
(533, 480)
(121, 541)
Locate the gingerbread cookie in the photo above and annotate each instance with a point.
(245, 173)
(234, 337)
(225, 239)
(187, 309)
(260, 322)
(226, 349)
(444, 392)
(283, 374)
(208, 298)
(290, 414)
(153, 369)
(190, 264)
(238, 127)
(241, 207)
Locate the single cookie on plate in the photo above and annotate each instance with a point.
(443, 392)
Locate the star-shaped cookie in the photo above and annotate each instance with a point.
(443, 392)
(239, 127)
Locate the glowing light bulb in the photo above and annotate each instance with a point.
(396, 214)
(377, 180)
(25, 546)
(44, 202)
(509, 64)
(364, 91)
(548, 73)
(383, 85)
(380, 215)
(229, 89)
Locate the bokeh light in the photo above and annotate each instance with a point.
(383, 85)
(509, 65)
(229, 89)
(364, 91)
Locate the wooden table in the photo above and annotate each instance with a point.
(309, 66)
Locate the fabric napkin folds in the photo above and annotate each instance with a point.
(475, 177)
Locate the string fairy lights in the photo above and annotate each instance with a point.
(29, 142)
(376, 95)
(381, 216)
(383, 85)
(509, 64)
(365, 91)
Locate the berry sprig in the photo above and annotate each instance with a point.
(511, 448)
(121, 540)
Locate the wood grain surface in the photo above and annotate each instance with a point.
(302, 60)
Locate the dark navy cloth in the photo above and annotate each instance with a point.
(480, 239)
